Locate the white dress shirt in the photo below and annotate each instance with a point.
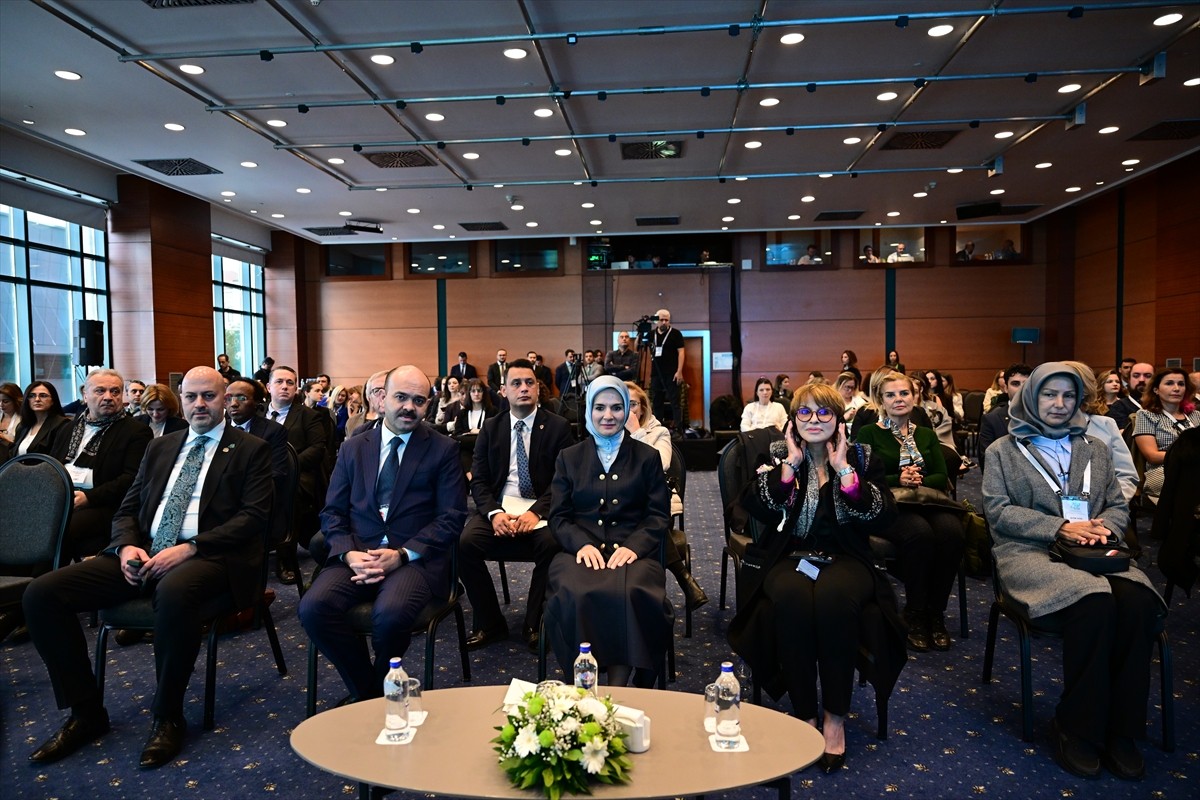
(191, 517)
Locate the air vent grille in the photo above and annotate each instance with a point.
(398, 159)
(177, 166)
(1170, 130)
(193, 3)
(837, 216)
(641, 151)
(919, 140)
(644, 222)
(332, 231)
(476, 227)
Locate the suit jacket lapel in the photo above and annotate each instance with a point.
(413, 452)
(220, 462)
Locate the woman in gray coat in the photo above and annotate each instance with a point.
(1046, 480)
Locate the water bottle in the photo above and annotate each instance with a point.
(395, 685)
(586, 668)
(729, 701)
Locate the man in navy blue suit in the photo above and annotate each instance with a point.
(396, 504)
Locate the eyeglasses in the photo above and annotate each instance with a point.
(240, 398)
(38, 396)
(804, 414)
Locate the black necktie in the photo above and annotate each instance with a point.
(275, 416)
(387, 475)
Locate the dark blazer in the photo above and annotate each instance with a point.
(170, 426)
(463, 373)
(494, 378)
(116, 462)
(1175, 520)
(462, 420)
(563, 374)
(544, 375)
(992, 426)
(274, 435)
(48, 436)
(493, 450)
(1121, 410)
(428, 507)
(235, 503)
(307, 431)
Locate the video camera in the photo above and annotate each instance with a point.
(645, 327)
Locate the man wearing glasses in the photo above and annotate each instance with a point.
(371, 416)
(397, 502)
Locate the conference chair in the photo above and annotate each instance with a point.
(734, 474)
(359, 620)
(36, 498)
(677, 477)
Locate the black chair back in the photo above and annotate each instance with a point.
(36, 498)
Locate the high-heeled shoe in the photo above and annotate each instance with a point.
(832, 762)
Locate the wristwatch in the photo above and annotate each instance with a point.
(841, 473)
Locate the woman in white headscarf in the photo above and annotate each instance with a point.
(1046, 481)
(610, 512)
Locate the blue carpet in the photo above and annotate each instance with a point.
(950, 737)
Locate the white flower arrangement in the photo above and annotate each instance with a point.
(558, 738)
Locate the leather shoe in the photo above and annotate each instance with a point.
(126, 637)
(9, 622)
(286, 573)
(1124, 760)
(693, 594)
(531, 637)
(482, 638)
(832, 762)
(165, 742)
(74, 734)
(1074, 754)
(918, 631)
(939, 637)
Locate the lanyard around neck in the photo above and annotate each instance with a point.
(1054, 485)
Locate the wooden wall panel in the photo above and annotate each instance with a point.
(684, 294)
(498, 301)
(1139, 332)
(1096, 225)
(1095, 288)
(1141, 260)
(824, 294)
(1096, 338)
(971, 348)
(797, 347)
(995, 291)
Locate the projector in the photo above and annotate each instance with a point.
(364, 226)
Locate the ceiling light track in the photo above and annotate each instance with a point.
(572, 37)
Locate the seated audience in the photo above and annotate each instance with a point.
(798, 627)
(1122, 410)
(995, 422)
(868, 255)
(228, 373)
(160, 410)
(850, 364)
(893, 362)
(1108, 622)
(314, 394)
(1167, 411)
(1176, 523)
(995, 392)
(930, 538)
(43, 422)
(764, 412)
(448, 402)
(372, 411)
(1105, 431)
(475, 409)
(244, 400)
(133, 397)
(869, 413)
(387, 547)
(783, 389)
(1111, 390)
(10, 411)
(511, 473)
(188, 534)
(852, 399)
(608, 586)
(943, 421)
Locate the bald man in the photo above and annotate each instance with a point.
(189, 534)
(666, 371)
(396, 504)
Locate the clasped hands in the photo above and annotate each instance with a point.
(589, 555)
(507, 525)
(1090, 531)
(152, 567)
(911, 476)
(373, 565)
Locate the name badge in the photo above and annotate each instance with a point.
(658, 351)
(808, 568)
(80, 476)
(1075, 509)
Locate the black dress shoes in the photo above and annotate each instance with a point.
(287, 575)
(1124, 760)
(939, 637)
(832, 762)
(482, 638)
(531, 637)
(165, 742)
(126, 637)
(74, 734)
(1074, 754)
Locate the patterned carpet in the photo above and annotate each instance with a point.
(950, 737)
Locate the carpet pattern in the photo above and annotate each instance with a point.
(949, 736)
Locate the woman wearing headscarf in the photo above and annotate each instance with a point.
(609, 512)
(1048, 480)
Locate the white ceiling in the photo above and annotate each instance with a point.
(122, 105)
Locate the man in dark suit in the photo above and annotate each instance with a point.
(189, 533)
(101, 453)
(396, 505)
(462, 370)
(308, 434)
(1125, 407)
(541, 371)
(243, 399)
(512, 500)
(496, 370)
(994, 424)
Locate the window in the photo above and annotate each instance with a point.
(974, 243)
(53, 273)
(438, 259)
(239, 325)
(526, 255)
(902, 245)
(799, 248)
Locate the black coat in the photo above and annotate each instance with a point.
(1175, 515)
(48, 436)
(116, 462)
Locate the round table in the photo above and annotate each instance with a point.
(452, 754)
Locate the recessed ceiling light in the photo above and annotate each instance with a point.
(27, 121)
(530, 224)
(767, 102)
(954, 170)
(433, 116)
(191, 69)
(943, 222)
(381, 189)
(1072, 188)
(877, 224)
(277, 216)
(733, 201)
(543, 112)
(1129, 162)
(920, 194)
(726, 219)
(1168, 19)
(277, 123)
(595, 222)
(228, 194)
(587, 205)
(1192, 82)
(577, 183)
(302, 190)
(1099, 183)
(940, 30)
(741, 178)
(249, 164)
(893, 213)
(724, 227)
(173, 126)
(439, 227)
(791, 38)
(851, 140)
(383, 60)
(336, 160)
(825, 175)
(414, 210)
(793, 217)
(1110, 129)
(254, 211)
(226, 200)
(517, 207)
(885, 96)
(497, 185)
(67, 75)
(562, 152)
(1068, 88)
(75, 132)
(1004, 134)
(753, 145)
(515, 53)
(345, 213)
(996, 191)
(471, 156)
(1043, 165)
(452, 236)
(808, 198)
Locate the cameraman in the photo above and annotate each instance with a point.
(666, 371)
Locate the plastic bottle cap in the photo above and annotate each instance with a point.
(726, 666)
(394, 663)
(585, 647)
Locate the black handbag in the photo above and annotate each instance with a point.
(918, 497)
(1102, 558)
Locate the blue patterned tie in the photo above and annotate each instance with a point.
(524, 482)
(387, 476)
(171, 523)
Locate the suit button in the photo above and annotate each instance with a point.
(601, 501)
(614, 477)
(602, 476)
(600, 523)
(615, 501)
